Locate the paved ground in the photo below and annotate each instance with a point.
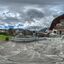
(41, 52)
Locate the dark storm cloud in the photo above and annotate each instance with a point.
(35, 13)
(33, 1)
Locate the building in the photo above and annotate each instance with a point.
(58, 25)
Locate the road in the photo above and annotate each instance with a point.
(39, 52)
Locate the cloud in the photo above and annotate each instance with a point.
(40, 2)
(34, 14)
(43, 15)
(6, 13)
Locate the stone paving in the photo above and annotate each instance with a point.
(39, 52)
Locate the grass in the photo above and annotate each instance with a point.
(4, 37)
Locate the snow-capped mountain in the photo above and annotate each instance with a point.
(18, 25)
(9, 26)
(2, 27)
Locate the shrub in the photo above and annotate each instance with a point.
(7, 39)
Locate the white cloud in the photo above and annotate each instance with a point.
(5, 13)
(45, 21)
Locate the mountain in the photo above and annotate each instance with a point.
(18, 25)
(43, 30)
(9, 26)
(34, 28)
(10, 23)
(2, 27)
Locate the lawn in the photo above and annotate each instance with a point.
(4, 37)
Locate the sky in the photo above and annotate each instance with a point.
(30, 12)
(33, 1)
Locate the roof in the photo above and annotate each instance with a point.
(56, 21)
